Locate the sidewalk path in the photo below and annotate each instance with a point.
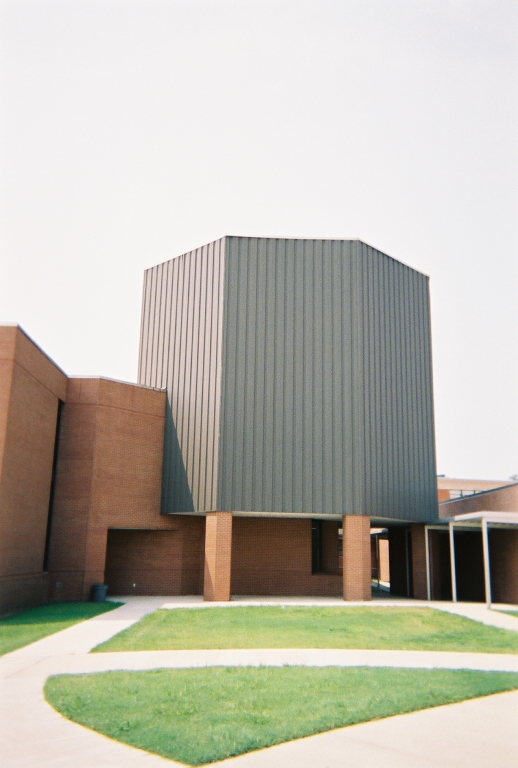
(474, 733)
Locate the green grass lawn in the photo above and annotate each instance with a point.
(198, 716)
(298, 627)
(24, 628)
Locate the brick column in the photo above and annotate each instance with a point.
(357, 557)
(417, 533)
(218, 556)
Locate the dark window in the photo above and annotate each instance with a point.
(52, 488)
(316, 546)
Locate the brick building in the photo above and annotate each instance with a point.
(284, 407)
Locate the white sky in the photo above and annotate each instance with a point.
(134, 131)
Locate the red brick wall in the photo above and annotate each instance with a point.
(109, 476)
(30, 388)
(272, 556)
(152, 563)
(500, 500)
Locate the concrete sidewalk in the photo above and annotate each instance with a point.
(473, 733)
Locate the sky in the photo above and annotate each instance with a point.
(131, 132)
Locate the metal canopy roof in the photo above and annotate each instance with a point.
(475, 519)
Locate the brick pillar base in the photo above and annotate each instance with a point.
(417, 534)
(357, 557)
(218, 556)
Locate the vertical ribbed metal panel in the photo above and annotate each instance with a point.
(299, 379)
(180, 350)
(326, 400)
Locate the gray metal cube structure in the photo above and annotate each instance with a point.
(299, 379)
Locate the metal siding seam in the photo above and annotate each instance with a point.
(259, 416)
(385, 433)
(163, 312)
(238, 389)
(167, 327)
(167, 502)
(152, 377)
(248, 324)
(409, 474)
(160, 339)
(400, 451)
(241, 368)
(152, 326)
(267, 494)
(415, 403)
(347, 401)
(298, 379)
(373, 376)
(205, 309)
(227, 429)
(377, 382)
(356, 389)
(177, 275)
(211, 469)
(410, 469)
(371, 332)
(182, 373)
(410, 391)
(381, 421)
(199, 337)
(397, 455)
(403, 391)
(390, 389)
(278, 381)
(287, 496)
(214, 402)
(180, 396)
(192, 371)
(221, 339)
(420, 395)
(361, 391)
(307, 399)
(189, 369)
(327, 480)
(205, 381)
(338, 425)
(156, 326)
(319, 361)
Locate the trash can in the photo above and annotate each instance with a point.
(99, 593)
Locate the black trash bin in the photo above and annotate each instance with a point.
(99, 593)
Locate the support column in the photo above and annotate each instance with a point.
(356, 557)
(419, 577)
(452, 563)
(487, 571)
(218, 556)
